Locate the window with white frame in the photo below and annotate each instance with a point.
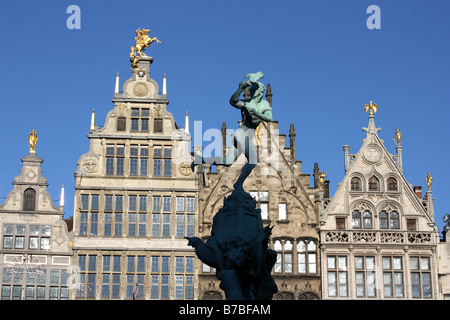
(420, 277)
(307, 257)
(262, 202)
(284, 260)
(337, 276)
(393, 283)
(365, 277)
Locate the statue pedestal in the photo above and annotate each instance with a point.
(238, 249)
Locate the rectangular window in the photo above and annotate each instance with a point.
(121, 123)
(119, 168)
(411, 224)
(108, 203)
(156, 204)
(144, 167)
(157, 125)
(340, 223)
(180, 204)
(157, 167)
(166, 225)
(393, 277)
(167, 167)
(420, 277)
(134, 124)
(190, 204)
(144, 125)
(282, 211)
(84, 202)
(166, 204)
(365, 276)
(133, 166)
(109, 166)
(262, 200)
(337, 276)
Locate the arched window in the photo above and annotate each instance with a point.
(356, 184)
(356, 219)
(29, 200)
(374, 184)
(367, 220)
(389, 220)
(389, 217)
(392, 184)
(284, 256)
(307, 256)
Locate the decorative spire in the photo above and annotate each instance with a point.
(269, 94)
(116, 89)
(93, 120)
(186, 123)
(32, 140)
(164, 91)
(61, 198)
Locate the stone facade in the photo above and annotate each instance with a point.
(36, 251)
(444, 267)
(135, 200)
(287, 202)
(378, 239)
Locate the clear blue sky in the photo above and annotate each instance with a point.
(321, 60)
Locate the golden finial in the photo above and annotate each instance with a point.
(428, 180)
(397, 137)
(371, 107)
(32, 140)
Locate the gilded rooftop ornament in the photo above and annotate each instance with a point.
(143, 40)
(397, 137)
(32, 140)
(428, 180)
(371, 107)
(322, 177)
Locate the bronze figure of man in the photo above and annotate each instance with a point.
(253, 111)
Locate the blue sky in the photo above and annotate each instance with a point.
(321, 60)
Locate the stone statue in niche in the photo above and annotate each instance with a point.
(238, 246)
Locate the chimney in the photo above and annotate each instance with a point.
(418, 191)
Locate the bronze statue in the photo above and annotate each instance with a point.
(254, 111)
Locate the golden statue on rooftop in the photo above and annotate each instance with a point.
(322, 177)
(32, 140)
(371, 107)
(428, 180)
(397, 137)
(143, 40)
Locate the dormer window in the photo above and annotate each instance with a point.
(392, 184)
(356, 184)
(374, 184)
(29, 200)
